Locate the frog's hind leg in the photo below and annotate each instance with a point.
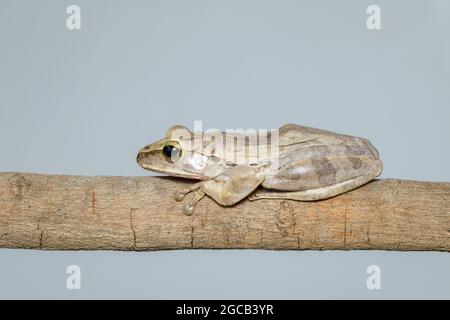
(313, 194)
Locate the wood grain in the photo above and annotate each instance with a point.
(138, 213)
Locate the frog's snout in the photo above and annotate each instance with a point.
(139, 157)
(145, 155)
(142, 154)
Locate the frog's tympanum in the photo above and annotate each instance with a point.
(302, 163)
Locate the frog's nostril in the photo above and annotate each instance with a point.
(139, 156)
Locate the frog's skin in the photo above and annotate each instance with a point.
(312, 164)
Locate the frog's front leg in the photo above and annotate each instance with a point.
(179, 195)
(227, 189)
(197, 188)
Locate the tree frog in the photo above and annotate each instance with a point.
(309, 164)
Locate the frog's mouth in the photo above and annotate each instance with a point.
(173, 171)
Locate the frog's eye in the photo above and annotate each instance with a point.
(172, 151)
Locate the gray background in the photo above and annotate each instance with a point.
(83, 102)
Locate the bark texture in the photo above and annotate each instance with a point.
(139, 213)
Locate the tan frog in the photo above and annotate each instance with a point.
(309, 164)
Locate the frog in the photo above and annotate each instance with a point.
(310, 165)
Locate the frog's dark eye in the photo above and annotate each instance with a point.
(172, 151)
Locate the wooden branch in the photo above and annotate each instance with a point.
(138, 213)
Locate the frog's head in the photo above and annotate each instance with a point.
(174, 155)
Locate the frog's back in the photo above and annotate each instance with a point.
(311, 158)
(295, 137)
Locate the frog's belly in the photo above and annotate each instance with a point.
(312, 173)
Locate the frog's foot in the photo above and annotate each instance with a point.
(313, 194)
(179, 195)
(189, 206)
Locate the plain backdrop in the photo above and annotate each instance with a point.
(84, 101)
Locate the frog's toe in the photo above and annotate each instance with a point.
(178, 196)
(189, 206)
(253, 196)
(188, 209)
